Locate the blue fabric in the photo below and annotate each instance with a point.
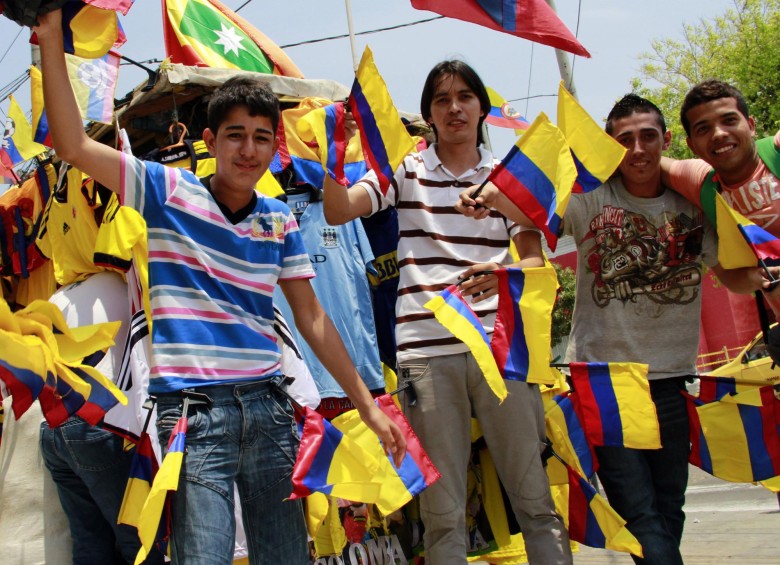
(647, 487)
(90, 468)
(247, 437)
(340, 256)
(211, 281)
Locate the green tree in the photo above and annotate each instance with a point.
(564, 305)
(741, 47)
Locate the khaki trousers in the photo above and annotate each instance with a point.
(449, 391)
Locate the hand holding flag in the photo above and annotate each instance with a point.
(537, 176)
(384, 137)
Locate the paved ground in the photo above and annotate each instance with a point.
(726, 523)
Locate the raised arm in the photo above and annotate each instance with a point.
(71, 143)
(342, 205)
(323, 338)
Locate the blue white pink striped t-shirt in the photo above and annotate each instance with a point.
(211, 282)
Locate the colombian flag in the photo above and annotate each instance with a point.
(206, 33)
(330, 462)
(737, 439)
(522, 333)
(398, 484)
(325, 127)
(568, 437)
(453, 312)
(503, 115)
(614, 404)
(593, 522)
(382, 133)
(741, 242)
(143, 469)
(90, 28)
(596, 154)
(167, 479)
(537, 175)
(306, 157)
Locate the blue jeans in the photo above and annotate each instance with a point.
(248, 437)
(647, 487)
(90, 468)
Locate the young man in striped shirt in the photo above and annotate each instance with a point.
(436, 247)
(216, 253)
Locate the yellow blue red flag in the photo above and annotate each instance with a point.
(614, 404)
(330, 462)
(166, 480)
(568, 436)
(593, 522)
(90, 28)
(503, 115)
(741, 242)
(737, 438)
(537, 175)
(143, 469)
(453, 312)
(596, 153)
(398, 484)
(523, 329)
(325, 127)
(382, 133)
(206, 33)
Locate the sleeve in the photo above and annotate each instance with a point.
(379, 201)
(144, 185)
(574, 214)
(687, 177)
(295, 262)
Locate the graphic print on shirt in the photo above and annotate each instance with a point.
(640, 263)
(757, 201)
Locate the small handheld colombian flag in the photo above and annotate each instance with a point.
(614, 404)
(453, 312)
(325, 126)
(537, 175)
(596, 153)
(522, 335)
(382, 133)
(741, 243)
(503, 115)
(40, 123)
(165, 481)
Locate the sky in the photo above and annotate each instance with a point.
(615, 32)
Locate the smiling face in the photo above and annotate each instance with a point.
(243, 146)
(642, 136)
(721, 135)
(455, 111)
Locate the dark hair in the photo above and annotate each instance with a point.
(256, 96)
(633, 104)
(708, 91)
(468, 75)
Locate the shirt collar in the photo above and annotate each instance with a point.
(431, 159)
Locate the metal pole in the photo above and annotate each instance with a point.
(352, 45)
(564, 63)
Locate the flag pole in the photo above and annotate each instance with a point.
(352, 45)
(564, 64)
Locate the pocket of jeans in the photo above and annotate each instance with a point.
(96, 449)
(282, 411)
(166, 420)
